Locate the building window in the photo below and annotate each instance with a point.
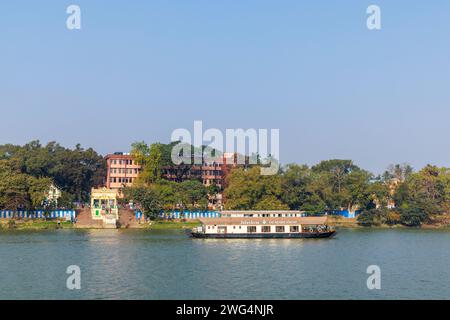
(294, 228)
(265, 229)
(251, 229)
(279, 229)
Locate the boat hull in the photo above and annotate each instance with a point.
(297, 235)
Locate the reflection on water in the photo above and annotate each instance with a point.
(166, 264)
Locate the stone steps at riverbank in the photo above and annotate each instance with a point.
(84, 220)
(127, 219)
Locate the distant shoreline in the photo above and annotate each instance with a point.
(338, 222)
(439, 223)
(42, 224)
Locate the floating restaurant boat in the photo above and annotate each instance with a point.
(270, 227)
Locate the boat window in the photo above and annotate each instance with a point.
(279, 229)
(294, 228)
(251, 229)
(265, 228)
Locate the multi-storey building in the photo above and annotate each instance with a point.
(209, 173)
(122, 170)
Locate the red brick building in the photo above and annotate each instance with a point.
(122, 170)
(213, 173)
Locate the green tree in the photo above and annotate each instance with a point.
(194, 194)
(374, 216)
(148, 198)
(151, 160)
(19, 190)
(427, 190)
(295, 180)
(75, 171)
(38, 190)
(247, 189)
(413, 217)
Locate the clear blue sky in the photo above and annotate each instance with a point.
(139, 69)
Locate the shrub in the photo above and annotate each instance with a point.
(371, 217)
(413, 216)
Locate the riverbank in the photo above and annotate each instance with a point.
(39, 224)
(175, 224)
(436, 222)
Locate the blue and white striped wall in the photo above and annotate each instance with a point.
(186, 214)
(190, 214)
(37, 214)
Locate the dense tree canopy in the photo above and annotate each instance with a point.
(248, 189)
(168, 195)
(28, 171)
(418, 196)
(399, 195)
(428, 189)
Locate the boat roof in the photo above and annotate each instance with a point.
(265, 221)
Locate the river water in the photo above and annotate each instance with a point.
(130, 264)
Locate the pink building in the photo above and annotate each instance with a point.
(122, 170)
